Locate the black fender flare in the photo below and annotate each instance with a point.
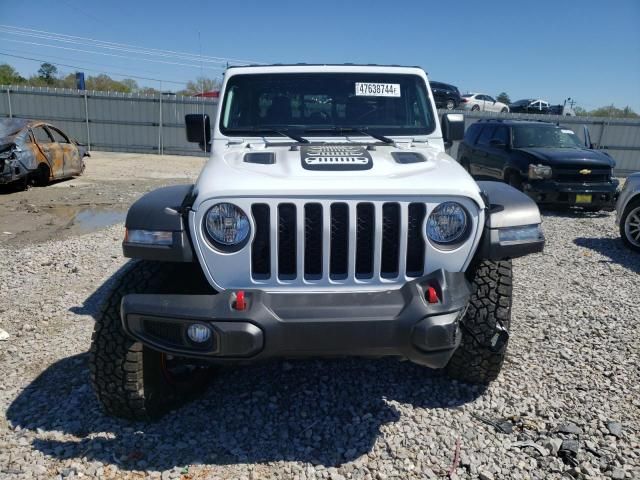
(507, 208)
(164, 209)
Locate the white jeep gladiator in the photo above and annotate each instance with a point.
(328, 221)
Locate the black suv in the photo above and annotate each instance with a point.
(546, 161)
(445, 95)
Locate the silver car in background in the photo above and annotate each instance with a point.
(628, 212)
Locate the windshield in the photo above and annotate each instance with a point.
(325, 104)
(526, 101)
(544, 136)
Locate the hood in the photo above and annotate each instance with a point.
(574, 156)
(293, 173)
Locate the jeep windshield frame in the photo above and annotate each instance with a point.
(326, 104)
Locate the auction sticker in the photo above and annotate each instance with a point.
(377, 89)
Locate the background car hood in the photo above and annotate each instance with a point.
(559, 156)
(228, 175)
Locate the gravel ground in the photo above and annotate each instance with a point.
(567, 402)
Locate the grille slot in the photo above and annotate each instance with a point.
(344, 241)
(287, 241)
(390, 240)
(415, 240)
(313, 241)
(365, 228)
(339, 260)
(261, 248)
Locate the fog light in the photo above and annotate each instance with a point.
(199, 333)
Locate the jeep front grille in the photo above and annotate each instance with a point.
(342, 240)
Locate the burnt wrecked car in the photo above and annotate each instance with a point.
(32, 151)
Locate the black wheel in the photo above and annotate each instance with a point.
(504, 110)
(42, 175)
(514, 179)
(485, 326)
(130, 380)
(630, 225)
(475, 108)
(450, 105)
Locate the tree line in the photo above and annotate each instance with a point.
(48, 76)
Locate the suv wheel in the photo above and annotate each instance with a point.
(485, 326)
(630, 225)
(515, 180)
(131, 380)
(450, 104)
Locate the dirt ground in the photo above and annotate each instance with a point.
(97, 199)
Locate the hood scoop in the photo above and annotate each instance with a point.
(262, 158)
(408, 157)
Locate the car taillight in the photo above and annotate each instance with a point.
(463, 100)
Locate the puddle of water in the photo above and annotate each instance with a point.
(91, 219)
(80, 220)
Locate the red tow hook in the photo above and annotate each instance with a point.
(432, 294)
(240, 302)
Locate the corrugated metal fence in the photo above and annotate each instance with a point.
(155, 123)
(111, 121)
(619, 137)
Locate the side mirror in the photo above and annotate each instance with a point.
(198, 129)
(452, 127)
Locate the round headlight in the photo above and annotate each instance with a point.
(447, 223)
(227, 225)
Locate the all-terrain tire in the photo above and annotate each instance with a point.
(485, 326)
(130, 380)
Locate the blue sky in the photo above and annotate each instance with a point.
(588, 50)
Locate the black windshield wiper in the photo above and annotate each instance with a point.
(343, 130)
(280, 131)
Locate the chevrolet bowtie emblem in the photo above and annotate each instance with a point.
(585, 171)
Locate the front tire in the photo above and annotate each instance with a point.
(630, 225)
(450, 105)
(131, 380)
(485, 326)
(515, 180)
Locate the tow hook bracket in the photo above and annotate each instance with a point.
(499, 339)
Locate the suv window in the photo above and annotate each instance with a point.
(41, 135)
(501, 133)
(486, 135)
(472, 133)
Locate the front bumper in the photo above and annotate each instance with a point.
(371, 324)
(549, 192)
